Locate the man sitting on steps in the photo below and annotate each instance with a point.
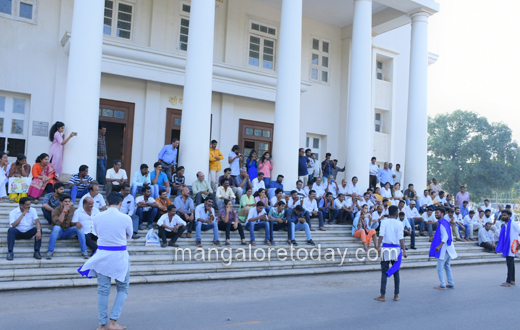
(52, 201)
(185, 209)
(128, 208)
(64, 228)
(24, 224)
(99, 200)
(146, 208)
(82, 218)
(79, 183)
(170, 226)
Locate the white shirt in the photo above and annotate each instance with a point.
(346, 204)
(311, 163)
(120, 175)
(227, 194)
(99, 201)
(141, 199)
(308, 205)
(128, 205)
(343, 190)
(386, 193)
(445, 248)
(86, 220)
(301, 192)
(398, 194)
(201, 213)
(353, 189)
(468, 221)
(485, 236)
(411, 212)
(486, 219)
(425, 200)
(363, 202)
(292, 203)
(398, 175)
(392, 231)
(374, 169)
(429, 218)
(274, 200)
(513, 235)
(377, 216)
(165, 219)
(484, 208)
(319, 189)
(307, 189)
(333, 189)
(253, 213)
(257, 185)
(27, 222)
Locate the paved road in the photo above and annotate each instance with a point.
(342, 301)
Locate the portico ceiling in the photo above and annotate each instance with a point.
(339, 13)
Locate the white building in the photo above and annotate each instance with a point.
(351, 78)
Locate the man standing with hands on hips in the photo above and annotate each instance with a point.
(392, 238)
(111, 260)
(168, 158)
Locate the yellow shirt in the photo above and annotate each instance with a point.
(214, 165)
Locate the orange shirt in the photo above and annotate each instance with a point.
(159, 201)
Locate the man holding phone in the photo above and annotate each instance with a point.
(79, 183)
(256, 220)
(332, 186)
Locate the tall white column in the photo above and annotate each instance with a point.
(360, 94)
(196, 111)
(286, 135)
(83, 84)
(415, 166)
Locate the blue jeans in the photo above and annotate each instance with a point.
(156, 188)
(75, 193)
(104, 292)
(101, 170)
(146, 216)
(135, 189)
(204, 227)
(275, 226)
(47, 215)
(257, 226)
(308, 217)
(466, 233)
(59, 233)
(445, 265)
(299, 226)
(328, 216)
(412, 237)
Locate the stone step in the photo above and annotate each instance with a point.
(214, 271)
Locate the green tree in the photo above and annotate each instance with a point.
(465, 149)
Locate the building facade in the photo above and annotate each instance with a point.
(347, 77)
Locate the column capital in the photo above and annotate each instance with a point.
(420, 15)
(362, 0)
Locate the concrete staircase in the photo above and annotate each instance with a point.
(155, 264)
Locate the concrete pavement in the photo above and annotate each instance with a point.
(335, 301)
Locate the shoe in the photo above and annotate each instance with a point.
(293, 242)
(170, 243)
(163, 245)
(141, 227)
(273, 243)
(289, 242)
(405, 248)
(183, 236)
(85, 255)
(413, 248)
(135, 236)
(10, 256)
(217, 243)
(48, 255)
(198, 244)
(150, 226)
(227, 244)
(322, 229)
(37, 255)
(312, 229)
(311, 242)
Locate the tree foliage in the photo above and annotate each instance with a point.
(465, 149)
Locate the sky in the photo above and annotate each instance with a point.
(478, 43)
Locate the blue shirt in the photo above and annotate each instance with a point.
(328, 169)
(464, 211)
(168, 154)
(322, 203)
(292, 217)
(275, 184)
(302, 165)
(162, 178)
(385, 176)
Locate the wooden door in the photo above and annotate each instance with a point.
(255, 135)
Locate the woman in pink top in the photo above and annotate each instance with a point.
(261, 197)
(56, 150)
(265, 166)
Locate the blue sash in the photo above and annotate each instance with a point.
(503, 240)
(397, 264)
(437, 238)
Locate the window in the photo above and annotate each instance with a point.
(14, 124)
(313, 142)
(262, 39)
(378, 121)
(21, 10)
(118, 19)
(184, 27)
(255, 135)
(320, 60)
(379, 70)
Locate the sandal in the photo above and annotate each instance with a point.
(188, 235)
(267, 243)
(253, 243)
(243, 243)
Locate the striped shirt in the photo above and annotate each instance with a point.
(178, 179)
(74, 179)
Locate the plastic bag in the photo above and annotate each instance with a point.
(152, 239)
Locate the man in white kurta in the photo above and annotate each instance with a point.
(111, 259)
(444, 250)
(507, 246)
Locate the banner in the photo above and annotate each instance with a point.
(19, 185)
